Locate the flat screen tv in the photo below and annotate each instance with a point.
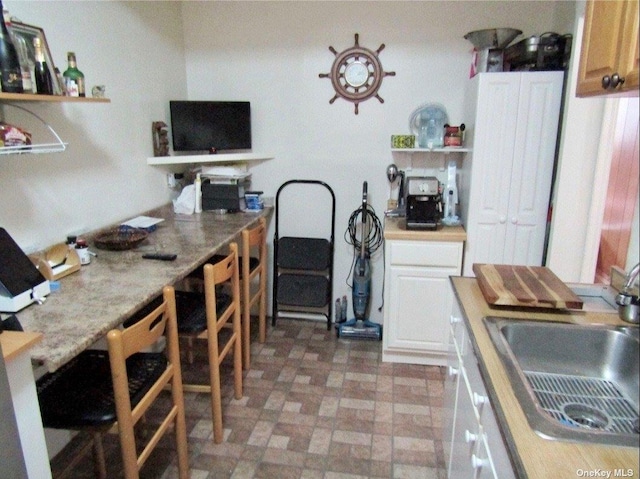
(210, 125)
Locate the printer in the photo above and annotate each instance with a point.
(224, 194)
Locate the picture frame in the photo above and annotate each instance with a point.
(26, 33)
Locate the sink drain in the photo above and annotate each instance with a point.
(585, 416)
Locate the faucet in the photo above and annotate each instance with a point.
(627, 302)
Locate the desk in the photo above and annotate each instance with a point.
(116, 284)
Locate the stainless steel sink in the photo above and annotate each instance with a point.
(574, 382)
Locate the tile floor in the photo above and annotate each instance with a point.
(314, 406)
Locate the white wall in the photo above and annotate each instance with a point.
(136, 50)
(272, 52)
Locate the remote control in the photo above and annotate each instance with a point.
(160, 256)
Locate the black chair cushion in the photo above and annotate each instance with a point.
(303, 290)
(80, 393)
(199, 273)
(192, 313)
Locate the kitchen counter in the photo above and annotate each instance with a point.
(116, 284)
(533, 456)
(395, 229)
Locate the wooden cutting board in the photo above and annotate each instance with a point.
(529, 286)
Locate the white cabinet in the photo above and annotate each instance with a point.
(418, 299)
(475, 448)
(505, 184)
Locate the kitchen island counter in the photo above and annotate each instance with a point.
(533, 456)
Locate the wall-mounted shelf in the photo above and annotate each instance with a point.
(431, 150)
(217, 158)
(49, 98)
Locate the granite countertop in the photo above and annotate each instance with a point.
(532, 455)
(116, 284)
(395, 229)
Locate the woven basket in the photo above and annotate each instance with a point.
(119, 239)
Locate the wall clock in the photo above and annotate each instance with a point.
(356, 74)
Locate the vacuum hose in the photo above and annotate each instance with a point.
(371, 236)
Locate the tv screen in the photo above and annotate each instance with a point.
(210, 125)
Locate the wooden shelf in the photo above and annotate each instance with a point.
(50, 98)
(431, 150)
(217, 158)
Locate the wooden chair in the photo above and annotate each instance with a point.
(99, 391)
(252, 267)
(203, 317)
(253, 263)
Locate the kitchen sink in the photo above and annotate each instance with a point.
(574, 382)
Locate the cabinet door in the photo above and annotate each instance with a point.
(466, 435)
(419, 308)
(494, 136)
(630, 50)
(609, 45)
(451, 382)
(532, 167)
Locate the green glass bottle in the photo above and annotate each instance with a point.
(73, 78)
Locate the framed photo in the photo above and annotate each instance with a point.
(25, 35)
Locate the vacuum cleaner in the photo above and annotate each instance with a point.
(360, 327)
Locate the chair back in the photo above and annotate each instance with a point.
(124, 343)
(224, 270)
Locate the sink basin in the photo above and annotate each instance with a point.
(576, 383)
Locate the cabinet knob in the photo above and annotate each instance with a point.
(514, 220)
(502, 219)
(470, 437)
(479, 399)
(453, 371)
(454, 319)
(606, 82)
(478, 463)
(616, 80)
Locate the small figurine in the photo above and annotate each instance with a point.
(159, 131)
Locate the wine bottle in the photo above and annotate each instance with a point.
(73, 78)
(11, 78)
(44, 82)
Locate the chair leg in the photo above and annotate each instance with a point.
(98, 456)
(246, 323)
(216, 392)
(262, 315)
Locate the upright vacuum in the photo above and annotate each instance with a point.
(360, 327)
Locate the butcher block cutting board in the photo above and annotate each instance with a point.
(528, 286)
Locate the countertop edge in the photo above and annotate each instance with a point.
(15, 342)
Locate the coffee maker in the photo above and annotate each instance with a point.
(424, 203)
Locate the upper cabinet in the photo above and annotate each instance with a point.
(610, 56)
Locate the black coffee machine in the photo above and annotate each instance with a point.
(424, 203)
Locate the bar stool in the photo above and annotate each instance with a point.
(203, 317)
(253, 264)
(97, 391)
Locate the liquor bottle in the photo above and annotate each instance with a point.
(11, 80)
(73, 78)
(44, 82)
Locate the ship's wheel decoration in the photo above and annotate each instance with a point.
(356, 74)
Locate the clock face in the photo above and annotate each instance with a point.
(356, 74)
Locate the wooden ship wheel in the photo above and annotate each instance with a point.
(356, 74)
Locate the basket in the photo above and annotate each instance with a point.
(120, 239)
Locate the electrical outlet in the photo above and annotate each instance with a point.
(171, 180)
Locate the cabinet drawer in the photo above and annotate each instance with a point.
(435, 254)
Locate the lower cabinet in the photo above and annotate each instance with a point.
(473, 443)
(418, 299)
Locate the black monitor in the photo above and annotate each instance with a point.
(210, 125)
